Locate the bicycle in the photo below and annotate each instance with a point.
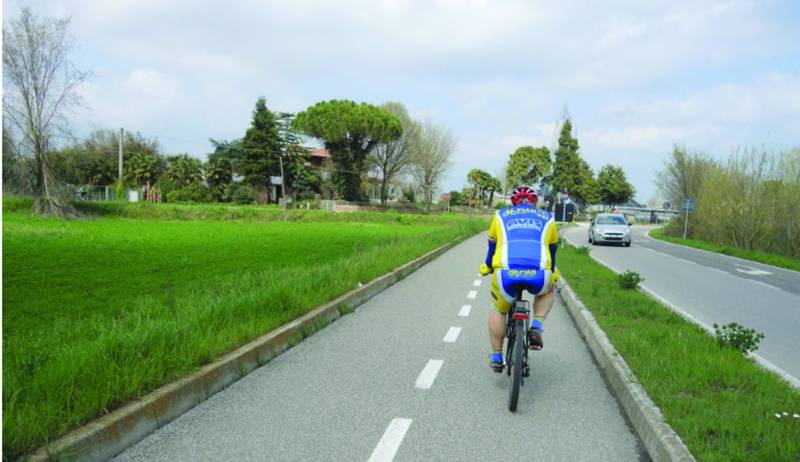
(517, 348)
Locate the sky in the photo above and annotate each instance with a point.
(635, 77)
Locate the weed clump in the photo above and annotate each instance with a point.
(737, 337)
(629, 280)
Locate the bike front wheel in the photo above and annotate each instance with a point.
(516, 364)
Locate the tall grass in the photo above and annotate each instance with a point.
(97, 312)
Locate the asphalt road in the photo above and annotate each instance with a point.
(383, 384)
(715, 288)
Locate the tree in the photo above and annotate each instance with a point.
(350, 131)
(613, 186)
(492, 185)
(219, 176)
(570, 172)
(184, 170)
(390, 158)
(41, 84)
(528, 166)
(300, 180)
(431, 158)
(261, 150)
(143, 169)
(94, 161)
(683, 175)
(478, 179)
(17, 170)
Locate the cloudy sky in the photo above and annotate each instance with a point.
(636, 76)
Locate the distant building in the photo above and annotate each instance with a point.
(318, 157)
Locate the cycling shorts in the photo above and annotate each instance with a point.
(506, 282)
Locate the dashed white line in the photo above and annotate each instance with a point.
(428, 374)
(464, 312)
(472, 294)
(390, 441)
(476, 283)
(452, 334)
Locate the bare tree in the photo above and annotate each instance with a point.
(431, 158)
(40, 85)
(391, 158)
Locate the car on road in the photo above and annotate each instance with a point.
(610, 227)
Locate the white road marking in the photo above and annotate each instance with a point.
(428, 374)
(465, 309)
(452, 334)
(764, 284)
(472, 294)
(751, 271)
(476, 283)
(390, 441)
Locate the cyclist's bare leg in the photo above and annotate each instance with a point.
(497, 329)
(543, 303)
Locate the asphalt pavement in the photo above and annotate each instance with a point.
(714, 288)
(405, 378)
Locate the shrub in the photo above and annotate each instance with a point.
(583, 250)
(242, 193)
(630, 280)
(195, 192)
(738, 337)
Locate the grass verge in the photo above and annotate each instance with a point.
(100, 311)
(752, 255)
(722, 404)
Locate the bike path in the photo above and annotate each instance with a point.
(335, 395)
(714, 289)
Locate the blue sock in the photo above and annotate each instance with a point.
(497, 356)
(536, 324)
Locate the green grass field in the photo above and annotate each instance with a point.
(721, 404)
(102, 310)
(752, 255)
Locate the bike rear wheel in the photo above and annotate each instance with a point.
(516, 364)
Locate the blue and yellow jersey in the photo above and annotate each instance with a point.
(523, 234)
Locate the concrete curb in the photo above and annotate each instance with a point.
(660, 440)
(111, 434)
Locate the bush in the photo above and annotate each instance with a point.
(738, 337)
(242, 193)
(195, 192)
(583, 250)
(630, 280)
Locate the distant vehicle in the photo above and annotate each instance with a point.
(609, 227)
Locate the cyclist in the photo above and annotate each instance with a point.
(522, 255)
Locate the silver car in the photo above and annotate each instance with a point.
(610, 227)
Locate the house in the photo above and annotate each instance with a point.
(318, 157)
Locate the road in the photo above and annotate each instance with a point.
(715, 288)
(406, 378)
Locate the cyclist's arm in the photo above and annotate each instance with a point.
(493, 231)
(553, 248)
(552, 240)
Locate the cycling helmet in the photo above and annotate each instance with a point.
(524, 193)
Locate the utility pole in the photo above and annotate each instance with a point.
(121, 134)
(283, 187)
(686, 222)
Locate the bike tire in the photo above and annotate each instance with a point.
(516, 365)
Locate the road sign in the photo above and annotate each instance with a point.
(445, 197)
(687, 205)
(666, 205)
